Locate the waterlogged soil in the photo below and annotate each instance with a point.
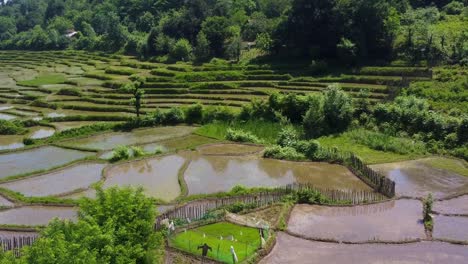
(5, 202)
(157, 176)
(140, 136)
(418, 179)
(229, 149)
(457, 205)
(35, 215)
(58, 182)
(42, 132)
(390, 221)
(209, 174)
(7, 116)
(289, 249)
(37, 159)
(11, 142)
(450, 227)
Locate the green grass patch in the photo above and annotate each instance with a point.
(263, 130)
(43, 80)
(246, 241)
(453, 165)
(344, 143)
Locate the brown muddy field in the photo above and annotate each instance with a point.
(289, 249)
(457, 205)
(209, 174)
(35, 215)
(418, 179)
(451, 227)
(390, 221)
(59, 182)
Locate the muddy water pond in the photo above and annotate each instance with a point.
(139, 136)
(418, 179)
(42, 158)
(35, 215)
(319, 252)
(450, 227)
(209, 174)
(457, 205)
(390, 221)
(59, 182)
(158, 176)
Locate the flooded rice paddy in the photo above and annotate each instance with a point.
(109, 141)
(42, 158)
(5, 202)
(42, 132)
(229, 149)
(35, 215)
(457, 205)
(289, 249)
(452, 228)
(390, 221)
(158, 176)
(209, 174)
(8, 142)
(59, 182)
(418, 179)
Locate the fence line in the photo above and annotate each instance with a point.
(15, 243)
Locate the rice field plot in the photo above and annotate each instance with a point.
(220, 237)
(172, 85)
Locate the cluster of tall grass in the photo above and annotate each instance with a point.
(11, 127)
(384, 142)
(265, 131)
(131, 152)
(241, 136)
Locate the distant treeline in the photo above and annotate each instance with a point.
(351, 31)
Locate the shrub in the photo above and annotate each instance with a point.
(194, 113)
(241, 136)
(120, 153)
(283, 153)
(69, 91)
(427, 209)
(239, 207)
(120, 71)
(287, 137)
(28, 141)
(310, 196)
(158, 150)
(217, 113)
(310, 149)
(137, 152)
(174, 116)
(11, 127)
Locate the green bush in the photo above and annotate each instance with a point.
(194, 114)
(287, 137)
(120, 153)
(137, 151)
(241, 136)
(283, 153)
(174, 116)
(239, 207)
(310, 196)
(11, 127)
(163, 72)
(29, 141)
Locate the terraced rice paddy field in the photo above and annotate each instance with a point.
(34, 84)
(67, 90)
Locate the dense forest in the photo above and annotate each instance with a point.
(351, 31)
